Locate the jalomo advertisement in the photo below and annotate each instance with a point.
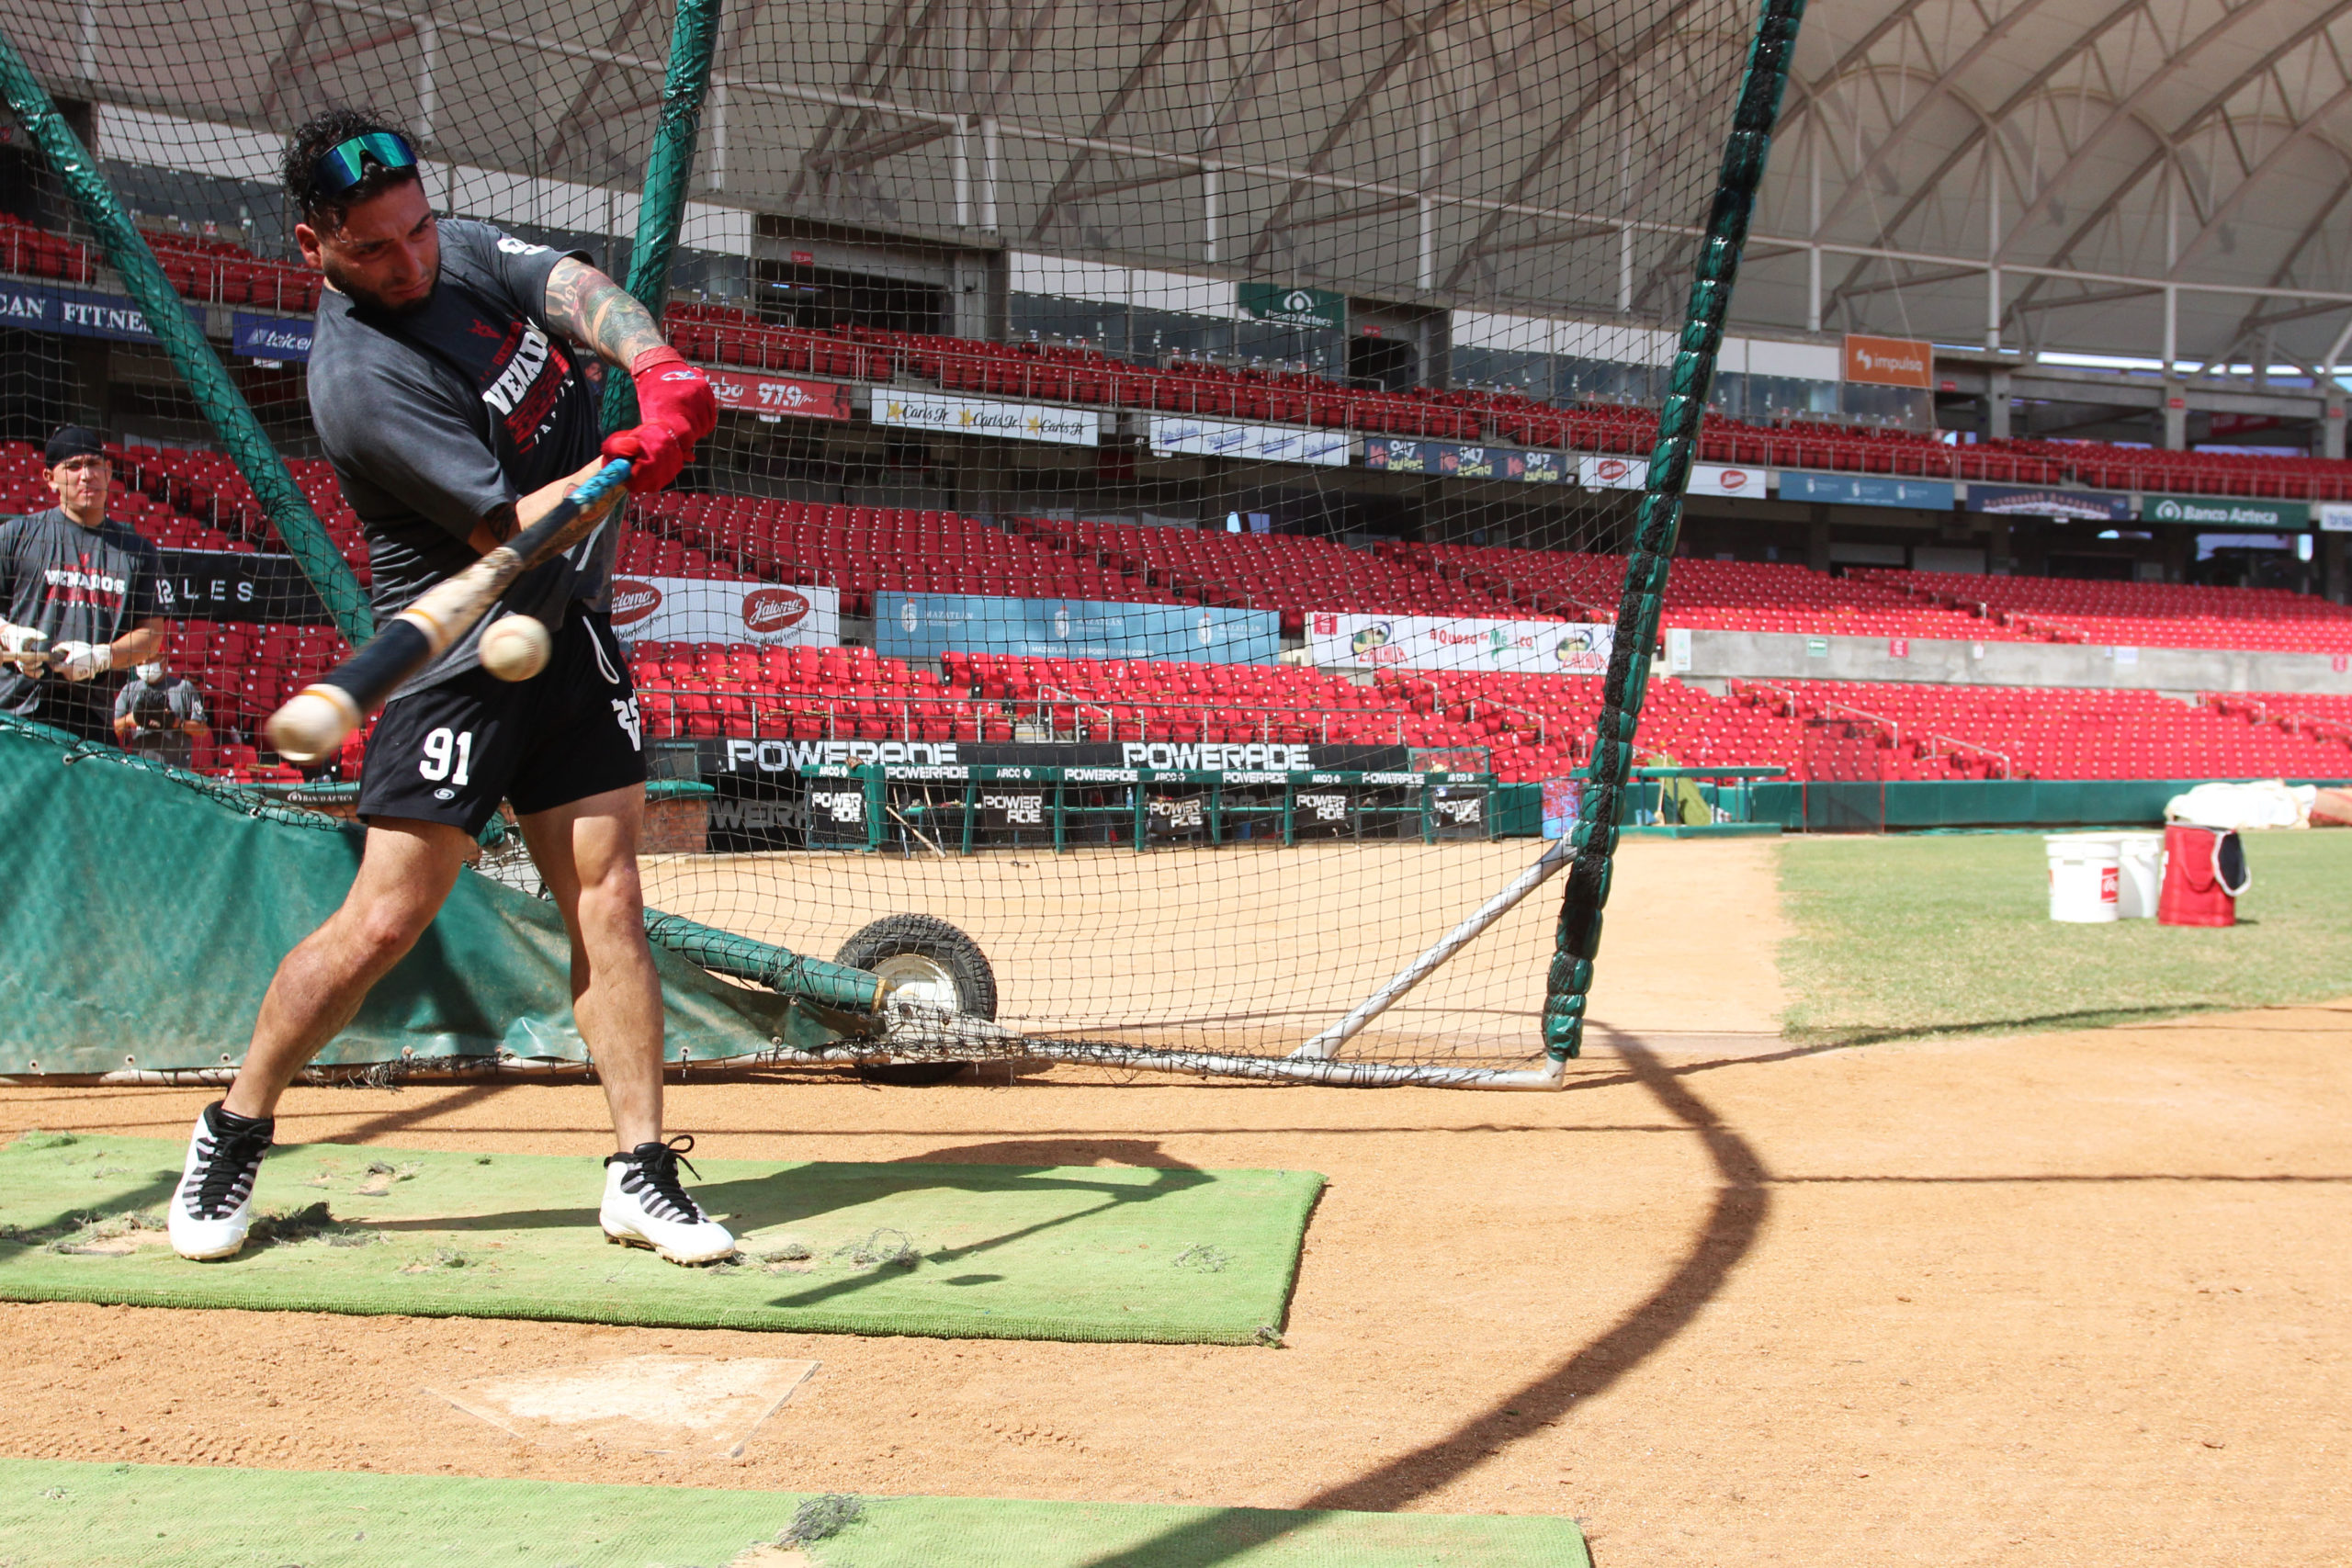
(696, 609)
(1433, 642)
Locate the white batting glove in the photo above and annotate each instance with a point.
(21, 639)
(80, 661)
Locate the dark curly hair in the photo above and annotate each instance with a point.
(313, 140)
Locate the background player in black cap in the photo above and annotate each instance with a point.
(447, 381)
(81, 589)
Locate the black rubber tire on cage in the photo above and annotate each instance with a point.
(959, 959)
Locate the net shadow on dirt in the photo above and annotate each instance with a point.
(1743, 1201)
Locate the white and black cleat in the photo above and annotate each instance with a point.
(646, 1205)
(213, 1207)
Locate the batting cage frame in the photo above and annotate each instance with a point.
(829, 1011)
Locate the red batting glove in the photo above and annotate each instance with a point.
(674, 410)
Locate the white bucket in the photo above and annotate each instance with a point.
(2086, 877)
(2141, 859)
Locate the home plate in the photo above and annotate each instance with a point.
(665, 1403)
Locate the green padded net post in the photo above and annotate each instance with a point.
(240, 433)
(1658, 521)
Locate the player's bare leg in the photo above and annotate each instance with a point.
(405, 871)
(587, 853)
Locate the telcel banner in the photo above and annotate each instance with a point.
(1264, 443)
(280, 338)
(698, 609)
(985, 416)
(1435, 642)
(923, 625)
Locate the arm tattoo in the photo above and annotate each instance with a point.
(501, 523)
(590, 309)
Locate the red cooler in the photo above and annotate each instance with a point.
(2204, 873)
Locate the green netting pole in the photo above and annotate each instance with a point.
(1659, 520)
(207, 380)
(669, 173)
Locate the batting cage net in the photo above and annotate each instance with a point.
(1161, 576)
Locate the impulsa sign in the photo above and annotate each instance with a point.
(1890, 361)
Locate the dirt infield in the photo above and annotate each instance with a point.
(2069, 1299)
(1255, 950)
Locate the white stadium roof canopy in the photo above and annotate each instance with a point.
(2114, 164)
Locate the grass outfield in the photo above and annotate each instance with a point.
(1913, 937)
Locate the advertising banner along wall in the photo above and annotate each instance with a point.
(697, 609)
(1264, 443)
(279, 338)
(986, 416)
(1459, 462)
(1869, 489)
(71, 312)
(2227, 511)
(779, 397)
(923, 625)
(2018, 500)
(1706, 479)
(1434, 642)
(221, 585)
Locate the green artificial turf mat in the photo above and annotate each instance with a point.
(1911, 937)
(55, 1513)
(991, 1251)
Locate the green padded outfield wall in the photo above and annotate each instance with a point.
(148, 909)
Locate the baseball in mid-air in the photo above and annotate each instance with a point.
(515, 647)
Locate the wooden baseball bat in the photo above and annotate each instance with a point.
(314, 721)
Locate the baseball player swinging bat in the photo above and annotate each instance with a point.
(314, 721)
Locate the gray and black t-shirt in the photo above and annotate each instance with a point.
(159, 710)
(77, 584)
(166, 704)
(435, 417)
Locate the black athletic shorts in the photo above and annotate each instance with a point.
(451, 753)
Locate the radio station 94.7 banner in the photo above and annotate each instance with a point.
(1433, 642)
(697, 609)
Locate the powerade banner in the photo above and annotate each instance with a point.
(698, 609)
(923, 625)
(1869, 489)
(2227, 511)
(775, 398)
(1264, 443)
(985, 416)
(70, 312)
(270, 337)
(1431, 642)
(2018, 500)
(719, 759)
(222, 585)
(1457, 461)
